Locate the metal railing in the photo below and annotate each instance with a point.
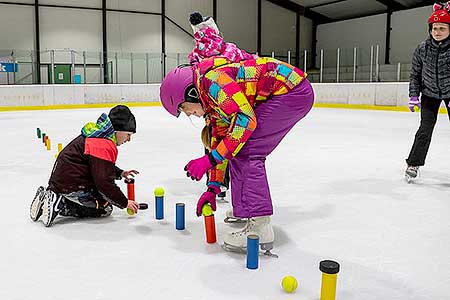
(86, 67)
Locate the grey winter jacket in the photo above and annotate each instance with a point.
(430, 72)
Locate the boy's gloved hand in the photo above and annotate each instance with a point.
(414, 101)
(127, 174)
(133, 205)
(208, 197)
(196, 168)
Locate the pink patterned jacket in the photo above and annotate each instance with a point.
(209, 43)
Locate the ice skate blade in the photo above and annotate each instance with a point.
(222, 200)
(265, 247)
(234, 249)
(234, 220)
(410, 179)
(36, 204)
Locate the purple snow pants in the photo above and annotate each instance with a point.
(250, 193)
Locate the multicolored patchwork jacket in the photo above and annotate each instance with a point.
(229, 93)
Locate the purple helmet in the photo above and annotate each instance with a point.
(178, 87)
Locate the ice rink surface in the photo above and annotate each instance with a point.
(338, 191)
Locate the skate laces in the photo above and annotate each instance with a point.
(40, 193)
(413, 168)
(54, 200)
(248, 227)
(412, 171)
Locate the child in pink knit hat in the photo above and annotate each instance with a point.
(209, 42)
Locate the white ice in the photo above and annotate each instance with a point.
(338, 192)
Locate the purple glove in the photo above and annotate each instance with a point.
(414, 101)
(196, 168)
(208, 197)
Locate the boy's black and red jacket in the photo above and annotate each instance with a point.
(88, 164)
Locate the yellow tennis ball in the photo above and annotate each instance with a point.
(130, 211)
(159, 192)
(207, 210)
(289, 284)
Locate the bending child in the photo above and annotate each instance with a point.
(252, 105)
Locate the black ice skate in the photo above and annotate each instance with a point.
(411, 173)
(36, 204)
(53, 204)
(221, 197)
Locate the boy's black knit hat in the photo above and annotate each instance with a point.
(122, 119)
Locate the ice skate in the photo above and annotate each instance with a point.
(51, 207)
(221, 197)
(36, 204)
(231, 219)
(411, 173)
(260, 226)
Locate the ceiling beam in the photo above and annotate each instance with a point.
(325, 4)
(355, 17)
(319, 18)
(392, 4)
(289, 5)
(423, 3)
(297, 8)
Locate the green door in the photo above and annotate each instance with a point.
(62, 74)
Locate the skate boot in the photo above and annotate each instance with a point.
(231, 219)
(411, 173)
(221, 197)
(53, 204)
(36, 204)
(260, 226)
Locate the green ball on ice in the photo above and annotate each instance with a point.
(159, 192)
(289, 284)
(130, 211)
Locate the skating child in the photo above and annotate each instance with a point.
(430, 79)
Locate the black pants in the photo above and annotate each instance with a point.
(85, 204)
(422, 140)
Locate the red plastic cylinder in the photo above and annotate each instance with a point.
(130, 189)
(210, 229)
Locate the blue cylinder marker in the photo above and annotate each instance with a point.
(252, 251)
(179, 221)
(159, 203)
